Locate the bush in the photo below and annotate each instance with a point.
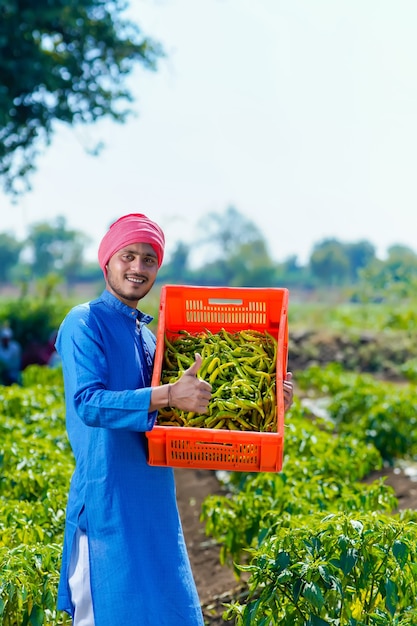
(345, 569)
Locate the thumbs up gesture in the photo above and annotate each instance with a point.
(190, 393)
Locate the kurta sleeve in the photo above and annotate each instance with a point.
(104, 390)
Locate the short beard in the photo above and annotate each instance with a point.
(125, 296)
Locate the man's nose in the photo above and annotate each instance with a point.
(138, 264)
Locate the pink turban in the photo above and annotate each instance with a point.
(132, 228)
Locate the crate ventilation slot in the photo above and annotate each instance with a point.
(241, 454)
(224, 311)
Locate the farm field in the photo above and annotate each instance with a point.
(216, 583)
(350, 442)
(378, 352)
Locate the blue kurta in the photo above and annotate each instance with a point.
(140, 571)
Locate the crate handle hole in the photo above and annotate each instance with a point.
(226, 301)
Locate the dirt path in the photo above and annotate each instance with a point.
(215, 583)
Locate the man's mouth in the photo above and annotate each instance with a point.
(138, 280)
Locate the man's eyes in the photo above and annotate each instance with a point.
(149, 260)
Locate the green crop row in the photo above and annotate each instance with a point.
(380, 412)
(317, 544)
(386, 317)
(35, 469)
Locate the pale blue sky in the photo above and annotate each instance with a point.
(300, 113)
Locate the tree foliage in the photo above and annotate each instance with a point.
(10, 250)
(340, 263)
(231, 251)
(55, 248)
(61, 61)
(178, 269)
(329, 260)
(360, 254)
(396, 276)
(224, 233)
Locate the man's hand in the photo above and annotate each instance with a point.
(190, 393)
(288, 391)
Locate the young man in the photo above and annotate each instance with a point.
(125, 561)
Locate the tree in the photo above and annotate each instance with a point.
(177, 270)
(394, 278)
(329, 263)
(290, 273)
(401, 260)
(61, 61)
(251, 266)
(10, 250)
(224, 233)
(55, 249)
(360, 255)
(237, 251)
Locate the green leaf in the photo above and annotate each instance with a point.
(315, 620)
(325, 574)
(391, 597)
(37, 616)
(312, 593)
(282, 561)
(357, 525)
(400, 551)
(284, 577)
(296, 589)
(348, 560)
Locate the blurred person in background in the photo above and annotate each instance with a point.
(10, 358)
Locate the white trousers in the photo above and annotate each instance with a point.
(79, 581)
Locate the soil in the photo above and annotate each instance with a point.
(217, 584)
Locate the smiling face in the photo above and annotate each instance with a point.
(131, 273)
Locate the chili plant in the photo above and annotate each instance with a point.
(341, 570)
(321, 473)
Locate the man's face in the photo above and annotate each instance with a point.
(131, 272)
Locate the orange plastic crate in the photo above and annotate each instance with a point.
(196, 309)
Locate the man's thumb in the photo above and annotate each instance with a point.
(193, 369)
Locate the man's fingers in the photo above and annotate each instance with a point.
(193, 369)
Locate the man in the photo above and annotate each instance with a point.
(125, 561)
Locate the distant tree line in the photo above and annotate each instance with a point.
(232, 252)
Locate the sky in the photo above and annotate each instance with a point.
(300, 114)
